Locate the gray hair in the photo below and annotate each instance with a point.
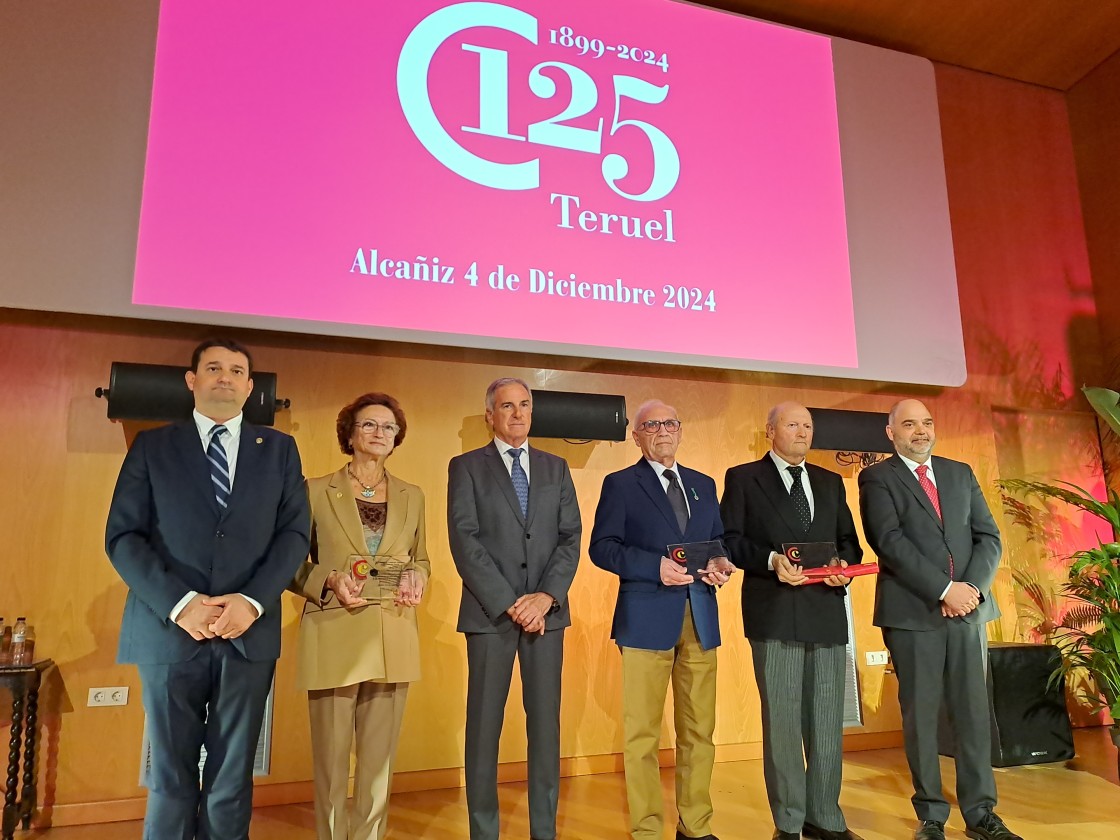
(493, 387)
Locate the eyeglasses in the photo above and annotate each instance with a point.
(370, 426)
(651, 427)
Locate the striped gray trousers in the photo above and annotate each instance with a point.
(801, 686)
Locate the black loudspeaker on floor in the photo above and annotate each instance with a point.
(1030, 723)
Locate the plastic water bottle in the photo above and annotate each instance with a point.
(5, 643)
(19, 637)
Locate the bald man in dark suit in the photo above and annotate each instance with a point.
(938, 549)
(798, 633)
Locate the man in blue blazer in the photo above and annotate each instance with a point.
(208, 523)
(666, 622)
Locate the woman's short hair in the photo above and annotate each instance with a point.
(346, 418)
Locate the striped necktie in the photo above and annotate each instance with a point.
(219, 466)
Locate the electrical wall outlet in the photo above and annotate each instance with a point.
(877, 657)
(113, 695)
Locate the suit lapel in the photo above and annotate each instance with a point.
(696, 502)
(822, 502)
(502, 478)
(396, 512)
(910, 482)
(345, 510)
(196, 465)
(537, 477)
(772, 486)
(649, 481)
(250, 450)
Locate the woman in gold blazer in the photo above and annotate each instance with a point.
(359, 646)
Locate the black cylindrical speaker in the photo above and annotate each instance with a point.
(575, 416)
(160, 392)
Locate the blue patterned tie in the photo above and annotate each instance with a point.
(520, 481)
(219, 466)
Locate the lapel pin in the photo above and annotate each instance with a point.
(340, 495)
(260, 440)
(697, 498)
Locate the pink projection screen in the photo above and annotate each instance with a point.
(639, 179)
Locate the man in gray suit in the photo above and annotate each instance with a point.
(514, 528)
(938, 549)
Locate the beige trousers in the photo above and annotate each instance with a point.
(645, 680)
(372, 712)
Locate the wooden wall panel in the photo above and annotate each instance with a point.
(1094, 113)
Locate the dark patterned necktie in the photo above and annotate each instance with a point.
(520, 481)
(799, 499)
(219, 466)
(676, 499)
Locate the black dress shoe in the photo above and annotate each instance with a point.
(814, 832)
(991, 827)
(681, 836)
(786, 835)
(930, 830)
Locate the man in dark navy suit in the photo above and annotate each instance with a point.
(665, 622)
(208, 523)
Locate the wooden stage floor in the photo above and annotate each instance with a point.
(1075, 800)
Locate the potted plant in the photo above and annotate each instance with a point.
(1088, 633)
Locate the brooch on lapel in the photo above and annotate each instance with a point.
(260, 440)
(693, 489)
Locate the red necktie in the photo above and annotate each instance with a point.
(928, 486)
(934, 499)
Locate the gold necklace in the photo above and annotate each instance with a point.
(368, 490)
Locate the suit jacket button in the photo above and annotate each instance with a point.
(528, 536)
(220, 535)
(524, 565)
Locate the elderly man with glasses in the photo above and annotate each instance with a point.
(666, 623)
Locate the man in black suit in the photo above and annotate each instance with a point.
(797, 633)
(514, 527)
(938, 549)
(208, 523)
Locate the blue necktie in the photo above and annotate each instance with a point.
(520, 481)
(219, 466)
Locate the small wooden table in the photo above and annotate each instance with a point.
(23, 681)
